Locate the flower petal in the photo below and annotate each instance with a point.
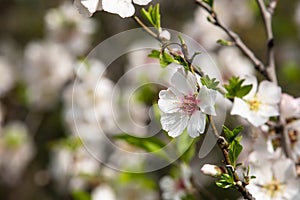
(268, 110)
(92, 5)
(207, 98)
(240, 107)
(196, 124)
(268, 92)
(184, 81)
(256, 119)
(168, 102)
(174, 123)
(250, 80)
(142, 2)
(124, 8)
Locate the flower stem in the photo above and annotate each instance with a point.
(223, 145)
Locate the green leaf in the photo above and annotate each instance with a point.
(152, 15)
(224, 42)
(154, 54)
(235, 148)
(226, 181)
(232, 134)
(149, 144)
(210, 83)
(235, 88)
(209, 2)
(165, 59)
(81, 195)
(185, 146)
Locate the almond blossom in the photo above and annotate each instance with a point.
(176, 189)
(259, 104)
(183, 106)
(275, 180)
(124, 8)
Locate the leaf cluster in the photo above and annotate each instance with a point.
(210, 83)
(152, 15)
(235, 88)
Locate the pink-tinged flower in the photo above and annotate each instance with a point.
(275, 180)
(176, 189)
(124, 8)
(183, 106)
(258, 105)
(289, 106)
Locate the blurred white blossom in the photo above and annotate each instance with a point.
(103, 192)
(275, 180)
(16, 151)
(66, 26)
(289, 106)
(47, 67)
(7, 76)
(176, 189)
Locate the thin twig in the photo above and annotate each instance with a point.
(223, 144)
(267, 13)
(259, 66)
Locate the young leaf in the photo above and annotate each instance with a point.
(235, 148)
(209, 2)
(154, 54)
(210, 83)
(81, 195)
(224, 42)
(152, 15)
(235, 88)
(148, 144)
(165, 59)
(232, 134)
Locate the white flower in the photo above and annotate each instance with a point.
(7, 76)
(48, 66)
(275, 180)
(175, 189)
(124, 8)
(66, 26)
(289, 106)
(103, 192)
(182, 106)
(211, 170)
(258, 105)
(16, 150)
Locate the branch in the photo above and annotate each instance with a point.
(259, 66)
(267, 13)
(223, 144)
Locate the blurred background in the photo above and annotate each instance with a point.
(42, 46)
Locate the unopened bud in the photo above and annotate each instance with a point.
(211, 170)
(165, 35)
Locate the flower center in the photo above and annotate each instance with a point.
(254, 104)
(189, 104)
(274, 187)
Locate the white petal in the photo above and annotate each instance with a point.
(268, 110)
(168, 102)
(240, 107)
(174, 123)
(142, 2)
(250, 80)
(92, 5)
(256, 119)
(196, 124)
(124, 8)
(207, 98)
(268, 92)
(284, 169)
(184, 82)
